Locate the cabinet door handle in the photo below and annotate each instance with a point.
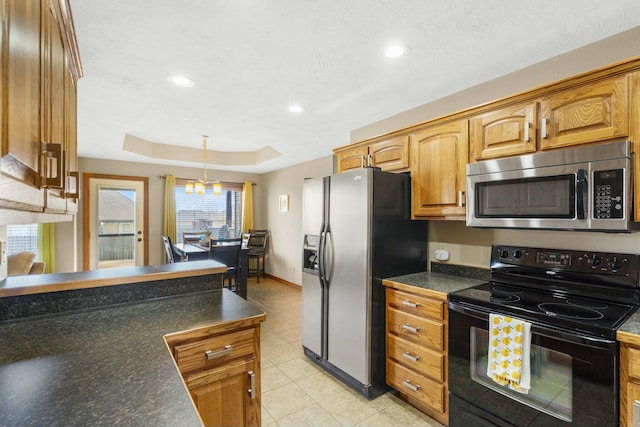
(543, 128)
(252, 385)
(409, 304)
(52, 165)
(410, 328)
(411, 357)
(527, 127)
(214, 354)
(73, 185)
(362, 164)
(408, 385)
(461, 198)
(369, 163)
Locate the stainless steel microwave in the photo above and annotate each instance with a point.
(583, 188)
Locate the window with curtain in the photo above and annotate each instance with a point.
(220, 214)
(23, 238)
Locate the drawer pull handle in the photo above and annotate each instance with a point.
(409, 304)
(410, 328)
(215, 354)
(411, 357)
(408, 384)
(252, 389)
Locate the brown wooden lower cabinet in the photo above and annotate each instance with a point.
(417, 349)
(629, 376)
(220, 365)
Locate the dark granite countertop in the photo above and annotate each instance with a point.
(105, 366)
(632, 325)
(436, 282)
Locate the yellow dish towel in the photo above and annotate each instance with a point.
(509, 349)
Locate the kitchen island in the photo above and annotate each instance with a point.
(25, 296)
(110, 365)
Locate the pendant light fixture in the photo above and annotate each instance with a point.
(200, 185)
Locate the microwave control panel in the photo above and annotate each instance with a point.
(608, 191)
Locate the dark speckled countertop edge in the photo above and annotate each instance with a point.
(631, 326)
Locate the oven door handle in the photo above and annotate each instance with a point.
(537, 329)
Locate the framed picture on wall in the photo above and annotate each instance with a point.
(284, 203)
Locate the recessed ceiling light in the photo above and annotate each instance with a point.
(181, 81)
(395, 50)
(297, 109)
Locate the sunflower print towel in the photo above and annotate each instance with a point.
(509, 349)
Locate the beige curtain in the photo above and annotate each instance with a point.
(247, 206)
(169, 225)
(47, 246)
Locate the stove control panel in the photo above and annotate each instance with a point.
(567, 260)
(553, 258)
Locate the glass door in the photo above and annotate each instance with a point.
(115, 225)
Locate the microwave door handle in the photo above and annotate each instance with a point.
(582, 193)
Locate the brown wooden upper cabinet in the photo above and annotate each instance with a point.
(439, 155)
(589, 113)
(504, 132)
(20, 114)
(387, 154)
(38, 157)
(593, 112)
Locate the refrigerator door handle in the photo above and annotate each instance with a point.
(321, 256)
(328, 257)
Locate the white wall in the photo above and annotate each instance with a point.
(285, 249)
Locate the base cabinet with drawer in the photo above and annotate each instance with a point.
(416, 338)
(629, 379)
(220, 366)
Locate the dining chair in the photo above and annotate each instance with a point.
(173, 254)
(227, 252)
(257, 245)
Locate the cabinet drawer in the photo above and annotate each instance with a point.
(214, 351)
(634, 362)
(416, 357)
(406, 381)
(416, 329)
(415, 304)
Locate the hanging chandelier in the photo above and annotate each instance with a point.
(200, 185)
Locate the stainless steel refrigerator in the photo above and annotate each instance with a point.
(356, 231)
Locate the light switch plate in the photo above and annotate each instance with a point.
(442, 255)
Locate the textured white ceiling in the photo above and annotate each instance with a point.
(251, 59)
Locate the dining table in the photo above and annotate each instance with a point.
(199, 252)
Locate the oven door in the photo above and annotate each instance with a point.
(574, 379)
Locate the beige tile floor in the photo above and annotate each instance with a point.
(295, 392)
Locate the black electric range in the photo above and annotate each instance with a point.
(592, 292)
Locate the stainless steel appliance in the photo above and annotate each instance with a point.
(583, 188)
(574, 301)
(357, 231)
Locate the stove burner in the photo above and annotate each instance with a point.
(595, 305)
(570, 311)
(495, 296)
